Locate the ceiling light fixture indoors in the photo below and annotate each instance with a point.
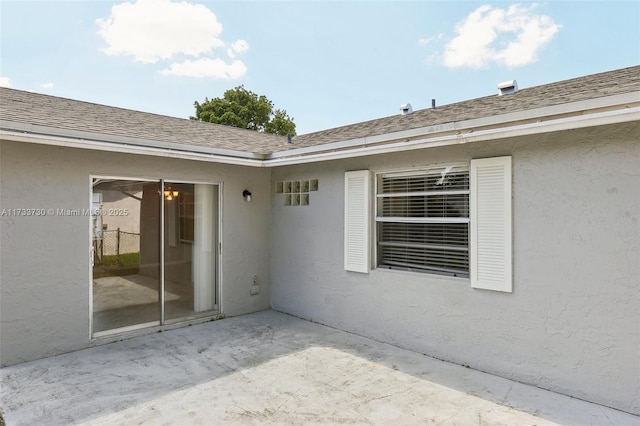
(170, 194)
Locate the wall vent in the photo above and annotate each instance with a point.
(406, 109)
(507, 87)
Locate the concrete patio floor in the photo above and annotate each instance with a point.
(271, 368)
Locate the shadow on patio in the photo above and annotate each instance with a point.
(271, 368)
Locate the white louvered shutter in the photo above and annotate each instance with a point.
(356, 221)
(490, 211)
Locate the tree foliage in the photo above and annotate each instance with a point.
(242, 108)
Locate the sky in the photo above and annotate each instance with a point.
(327, 63)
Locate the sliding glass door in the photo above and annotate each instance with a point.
(126, 253)
(191, 240)
(154, 251)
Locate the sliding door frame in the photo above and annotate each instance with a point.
(218, 258)
(218, 274)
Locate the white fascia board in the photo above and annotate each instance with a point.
(470, 136)
(45, 131)
(573, 115)
(502, 120)
(125, 148)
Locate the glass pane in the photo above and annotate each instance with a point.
(439, 193)
(190, 249)
(126, 253)
(439, 205)
(437, 248)
(441, 179)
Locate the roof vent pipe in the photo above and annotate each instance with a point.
(507, 87)
(289, 137)
(433, 103)
(406, 109)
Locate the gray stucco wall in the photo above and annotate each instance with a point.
(44, 261)
(572, 323)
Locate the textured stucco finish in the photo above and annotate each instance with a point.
(572, 323)
(44, 287)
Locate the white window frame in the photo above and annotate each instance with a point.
(377, 219)
(490, 244)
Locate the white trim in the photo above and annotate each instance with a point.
(471, 136)
(417, 170)
(91, 261)
(538, 120)
(216, 312)
(116, 177)
(620, 101)
(220, 247)
(127, 149)
(422, 193)
(422, 219)
(422, 171)
(357, 225)
(490, 210)
(162, 243)
(33, 129)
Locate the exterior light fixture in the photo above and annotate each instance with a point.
(247, 195)
(170, 194)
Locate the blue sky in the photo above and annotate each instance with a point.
(328, 63)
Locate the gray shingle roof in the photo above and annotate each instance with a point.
(66, 114)
(60, 113)
(588, 87)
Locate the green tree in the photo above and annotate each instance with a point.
(242, 108)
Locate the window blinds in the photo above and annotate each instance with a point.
(423, 220)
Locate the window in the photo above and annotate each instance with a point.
(453, 220)
(422, 220)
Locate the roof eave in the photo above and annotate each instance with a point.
(24, 132)
(464, 136)
(501, 121)
(109, 146)
(588, 113)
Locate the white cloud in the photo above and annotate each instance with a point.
(240, 46)
(511, 37)
(206, 67)
(237, 47)
(425, 41)
(48, 85)
(5, 82)
(151, 30)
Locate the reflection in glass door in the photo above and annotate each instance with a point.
(126, 253)
(190, 255)
(154, 252)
